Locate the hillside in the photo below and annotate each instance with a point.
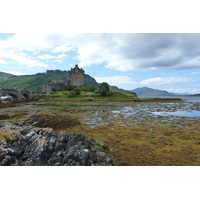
(35, 82)
(149, 92)
(116, 89)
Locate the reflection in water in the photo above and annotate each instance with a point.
(138, 113)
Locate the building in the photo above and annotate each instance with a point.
(76, 77)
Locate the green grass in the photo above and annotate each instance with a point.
(68, 95)
(101, 146)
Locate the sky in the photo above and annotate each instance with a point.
(167, 61)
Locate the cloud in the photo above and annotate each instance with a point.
(190, 90)
(166, 80)
(3, 62)
(118, 51)
(195, 73)
(23, 59)
(115, 80)
(62, 49)
(46, 56)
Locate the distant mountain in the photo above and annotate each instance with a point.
(149, 92)
(4, 75)
(35, 82)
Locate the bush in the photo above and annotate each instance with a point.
(70, 87)
(88, 88)
(77, 91)
(71, 94)
(104, 89)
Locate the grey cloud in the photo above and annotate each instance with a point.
(161, 51)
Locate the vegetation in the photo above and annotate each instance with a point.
(104, 89)
(104, 147)
(87, 92)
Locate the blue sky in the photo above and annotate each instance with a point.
(127, 60)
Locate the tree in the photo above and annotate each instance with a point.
(104, 89)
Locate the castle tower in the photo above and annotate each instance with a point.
(76, 76)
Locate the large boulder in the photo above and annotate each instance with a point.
(22, 145)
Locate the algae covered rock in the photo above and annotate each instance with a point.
(22, 145)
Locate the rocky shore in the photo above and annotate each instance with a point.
(27, 145)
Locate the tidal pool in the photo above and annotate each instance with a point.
(193, 113)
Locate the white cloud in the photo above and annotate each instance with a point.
(62, 49)
(184, 90)
(195, 73)
(166, 80)
(46, 56)
(3, 62)
(26, 60)
(115, 80)
(60, 58)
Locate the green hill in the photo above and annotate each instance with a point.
(35, 82)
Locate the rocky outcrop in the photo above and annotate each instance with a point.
(22, 145)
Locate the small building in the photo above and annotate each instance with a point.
(76, 77)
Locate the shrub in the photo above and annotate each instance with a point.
(77, 91)
(71, 94)
(104, 89)
(70, 87)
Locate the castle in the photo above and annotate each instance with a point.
(76, 77)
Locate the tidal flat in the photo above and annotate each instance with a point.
(139, 133)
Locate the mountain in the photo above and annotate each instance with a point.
(149, 92)
(35, 82)
(4, 75)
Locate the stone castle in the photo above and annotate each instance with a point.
(76, 77)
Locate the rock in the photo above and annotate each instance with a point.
(34, 146)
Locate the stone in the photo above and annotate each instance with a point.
(34, 146)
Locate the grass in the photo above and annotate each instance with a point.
(65, 95)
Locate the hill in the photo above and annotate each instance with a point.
(116, 89)
(35, 82)
(149, 92)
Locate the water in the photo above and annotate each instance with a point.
(197, 99)
(137, 113)
(193, 113)
(5, 97)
